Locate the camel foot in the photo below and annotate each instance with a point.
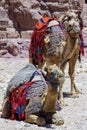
(34, 119)
(57, 120)
(62, 103)
(74, 95)
(5, 111)
(78, 91)
(39, 121)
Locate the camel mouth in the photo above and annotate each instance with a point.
(54, 75)
(74, 34)
(74, 31)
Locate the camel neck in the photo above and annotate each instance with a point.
(50, 101)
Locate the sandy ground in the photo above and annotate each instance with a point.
(75, 114)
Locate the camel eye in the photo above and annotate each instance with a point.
(69, 25)
(50, 70)
(69, 18)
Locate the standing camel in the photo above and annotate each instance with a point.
(60, 50)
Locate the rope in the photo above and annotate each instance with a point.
(55, 84)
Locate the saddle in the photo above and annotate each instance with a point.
(37, 40)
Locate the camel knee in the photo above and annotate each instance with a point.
(57, 119)
(34, 119)
(5, 110)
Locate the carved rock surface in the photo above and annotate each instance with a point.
(18, 17)
(13, 49)
(24, 13)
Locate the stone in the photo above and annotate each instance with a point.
(3, 45)
(26, 34)
(17, 17)
(3, 52)
(13, 48)
(11, 33)
(56, 7)
(25, 13)
(3, 34)
(3, 19)
(3, 24)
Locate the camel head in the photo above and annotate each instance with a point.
(71, 23)
(54, 75)
(73, 27)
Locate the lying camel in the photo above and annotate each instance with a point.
(54, 77)
(62, 50)
(41, 106)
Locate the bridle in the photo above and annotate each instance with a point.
(72, 29)
(55, 83)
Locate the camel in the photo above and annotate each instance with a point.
(39, 109)
(49, 99)
(65, 50)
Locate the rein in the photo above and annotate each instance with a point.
(62, 27)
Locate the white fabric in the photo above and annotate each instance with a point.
(52, 23)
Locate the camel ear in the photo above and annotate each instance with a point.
(54, 64)
(45, 69)
(44, 72)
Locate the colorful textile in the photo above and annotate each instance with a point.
(18, 101)
(37, 40)
(26, 84)
(82, 43)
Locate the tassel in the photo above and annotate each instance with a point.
(23, 115)
(82, 50)
(19, 112)
(12, 117)
(82, 44)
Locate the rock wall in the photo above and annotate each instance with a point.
(24, 13)
(18, 17)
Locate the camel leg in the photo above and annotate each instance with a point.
(34, 119)
(60, 96)
(60, 92)
(72, 64)
(54, 119)
(57, 119)
(5, 110)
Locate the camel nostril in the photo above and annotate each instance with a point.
(69, 25)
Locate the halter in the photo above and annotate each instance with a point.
(55, 84)
(70, 34)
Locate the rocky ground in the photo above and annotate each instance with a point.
(75, 114)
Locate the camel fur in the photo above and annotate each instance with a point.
(66, 51)
(48, 112)
(49, 100)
